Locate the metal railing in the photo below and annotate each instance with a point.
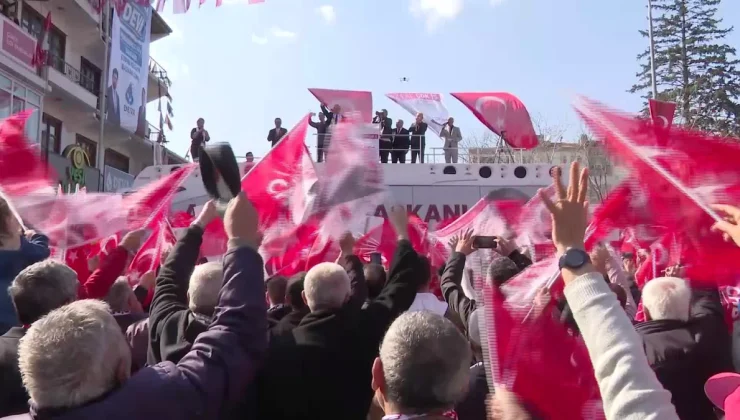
(156, 70)
(73, 74)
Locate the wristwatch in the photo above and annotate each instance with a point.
(573, 259)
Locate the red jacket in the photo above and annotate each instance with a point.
(111, 266)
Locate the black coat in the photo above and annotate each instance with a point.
(172, 326)
(418, 135)
(322, 368)
(685, 354)
(400, 139)
(275, 134)
(13, 397)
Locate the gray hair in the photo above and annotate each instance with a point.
(425, 363)
(119, 294)
(205, 285)
(41, 288)
(72, 355)
(667, 298)
(327, 286)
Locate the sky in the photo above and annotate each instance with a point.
(239, 66)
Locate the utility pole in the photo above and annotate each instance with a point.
(654, 83)
(105, 15)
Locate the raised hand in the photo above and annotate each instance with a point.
(570, 212)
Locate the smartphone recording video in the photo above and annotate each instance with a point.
(484, 242)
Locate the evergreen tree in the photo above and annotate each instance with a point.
(694, 66)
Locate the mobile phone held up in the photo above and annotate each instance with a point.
(375, 258)
(484, 242)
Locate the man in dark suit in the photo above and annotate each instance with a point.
(418, 139)
(276, 133)
(36, 291)
(400, 143)
(112, 102)
(321, 138)
(324, 364)
(385, 143)
(334, 116)
(141, 123)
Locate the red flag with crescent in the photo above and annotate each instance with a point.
(504, 114)
(662, 113)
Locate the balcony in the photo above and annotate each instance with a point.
(68, 83)
(17, 50)
(159, 83)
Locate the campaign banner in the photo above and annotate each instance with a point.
(128, 68)
(429, 104)
(349, 101)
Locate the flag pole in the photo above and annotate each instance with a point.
(653, 82)
(103, 81)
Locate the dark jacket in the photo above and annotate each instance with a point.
(289, 321)
(330, 117)
(172, 326)
(321, 129)
(685, 354)
(222, 362)
(277, 312)
(473, 406)
(13, 397)
(322, 368)
(12, 263)
(418, 135)
(274, 135)
(400, 139)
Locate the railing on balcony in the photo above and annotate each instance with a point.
(159, 72)
(73, 74)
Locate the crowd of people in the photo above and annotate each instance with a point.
(344, 340)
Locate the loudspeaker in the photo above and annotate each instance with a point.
(220, 174)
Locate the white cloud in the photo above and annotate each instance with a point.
(435, 12)
(282, 33)
(327, 12)
(259, 40)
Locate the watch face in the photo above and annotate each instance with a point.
(575, 258)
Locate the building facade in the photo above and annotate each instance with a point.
(65, 94)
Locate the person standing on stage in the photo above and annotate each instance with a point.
(322, 143)
(418, 139)
(452, 137)
(276, 133)
(198, 139)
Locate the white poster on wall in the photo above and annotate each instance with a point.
(128, 68)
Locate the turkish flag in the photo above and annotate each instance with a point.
(662, 113)
(504, 114)
(349, 100)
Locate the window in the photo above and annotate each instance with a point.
(33, 23)
(51, 133)
(116, 160)
(32, 124)
(90, 147)
(89, 76)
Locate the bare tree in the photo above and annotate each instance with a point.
(600, 169)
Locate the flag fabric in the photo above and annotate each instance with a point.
(430, 104)
(350, 101)
(169, 110)
(180, 6)
(353, 177)
(168, 122)
(504, 114)
(688, 170)
(662, 113)
(22, 172)
(523, 337)
(40, 56)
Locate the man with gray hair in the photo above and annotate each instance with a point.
(35, 291)
(185, 295)
(686, 341)
(402, 377)
(323, 365)
(75, 361)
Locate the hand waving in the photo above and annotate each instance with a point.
(730, 227)
(465, 243)
(569, 213)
